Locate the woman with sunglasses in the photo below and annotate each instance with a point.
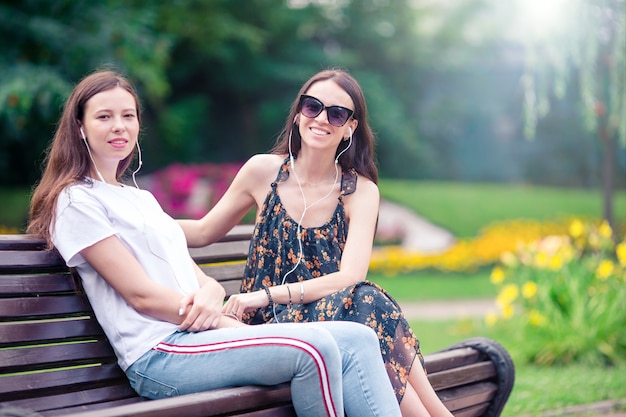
(316, 200)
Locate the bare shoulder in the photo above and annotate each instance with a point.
(263, 165)
(365, 195)
(366, 188)
(261, 168)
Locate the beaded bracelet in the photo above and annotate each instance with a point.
(301, 292)
(269, 296)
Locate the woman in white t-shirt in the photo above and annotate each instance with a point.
(161, 313)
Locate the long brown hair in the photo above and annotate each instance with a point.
(67, 159)
(360, 155)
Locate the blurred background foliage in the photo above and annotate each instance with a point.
(472, 90)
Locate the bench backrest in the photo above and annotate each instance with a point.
(54, 356)
(53, 352)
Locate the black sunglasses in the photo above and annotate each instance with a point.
(312, 107)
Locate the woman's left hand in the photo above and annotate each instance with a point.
(202, 308)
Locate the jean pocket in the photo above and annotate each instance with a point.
(153, 389)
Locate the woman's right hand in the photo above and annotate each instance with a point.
(238, 304)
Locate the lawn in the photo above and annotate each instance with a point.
(435, 285)
(465, 208)
(537, 389)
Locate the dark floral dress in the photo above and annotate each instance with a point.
(274, 251)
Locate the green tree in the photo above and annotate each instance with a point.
(588, 41)
(46, 47)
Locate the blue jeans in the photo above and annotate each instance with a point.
(331, 366)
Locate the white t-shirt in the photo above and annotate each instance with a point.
(89, 213)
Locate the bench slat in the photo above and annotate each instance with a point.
(462, 375)
(14, 285)
(468, 395)
(17, 387)
(221, 252)
(57, 404)
(213, 403)
(53, 356)
(43, 306)
(30, 261)
(46, 331)
(438, 361)
(473, 411)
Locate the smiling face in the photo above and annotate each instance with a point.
(111, 126)
(317, 132)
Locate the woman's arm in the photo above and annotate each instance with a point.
(250, 185)
(121, 270)
(362, 212)
(197, 311)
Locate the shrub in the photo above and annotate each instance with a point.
(563, 298)
(189, 191)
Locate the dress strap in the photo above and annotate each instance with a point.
(348, 182)
(283, 172)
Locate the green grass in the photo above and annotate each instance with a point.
(435, 285)
(536, 389)
(465, 208)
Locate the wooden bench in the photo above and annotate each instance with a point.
(55, 359)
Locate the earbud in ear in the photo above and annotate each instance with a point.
(82, 132)
(350, 130)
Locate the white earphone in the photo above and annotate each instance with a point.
(82, 133)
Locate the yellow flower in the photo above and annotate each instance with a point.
(507, 312)
(605, 230)
(541, 260)
(507, 295)
(535, 318)
(576, 228)
(555, 263)
(604, 270)
(620, 250)
(491, 318)
(529, 289)
(497, 275)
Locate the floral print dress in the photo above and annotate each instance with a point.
(274, 251)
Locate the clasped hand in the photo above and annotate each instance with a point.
(202, 309)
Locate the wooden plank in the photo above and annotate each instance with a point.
(468, 395)
(447, 359)
(225, 272)
(20, 242)
(36, 284)
(109, 396)
(20, 261)
(43, 306)
(53, 356)
(16, 387)
(221, 252)
(229, 401)
(473, 411)
(462, 375)
(21, 333)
